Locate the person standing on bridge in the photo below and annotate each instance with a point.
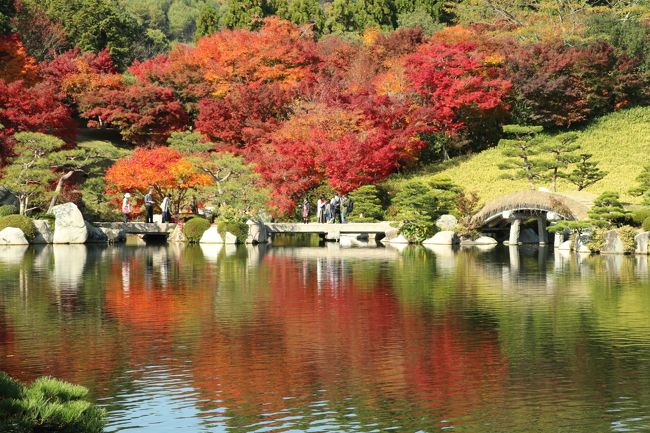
(347, 204)
(165, 206)
(306, 210)
(336, 208)
(148, 205)
(126, 207)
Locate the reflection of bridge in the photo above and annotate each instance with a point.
(140, 228)
(510, 212)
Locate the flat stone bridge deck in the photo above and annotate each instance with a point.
(357, 228)
(140, 228)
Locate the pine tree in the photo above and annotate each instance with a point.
(586, 172)
(367, 205)
(520, 151)
(608, 211)
(562, 152)
(207, 22)
(643, 190)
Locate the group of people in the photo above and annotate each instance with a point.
(149, 204)
(334, 211)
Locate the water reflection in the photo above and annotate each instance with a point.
(216, 338)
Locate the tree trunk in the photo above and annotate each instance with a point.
(59, 188)
(555, 179)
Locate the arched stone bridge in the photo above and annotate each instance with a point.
(509, 212)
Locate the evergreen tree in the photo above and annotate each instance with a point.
(302, 12)
(608, 211)
(586, 172)
(643, 190)
(208, 21)
(243, 13)
(367, 205)
(520, 151)
(344, 16)
(378, 13)
(7, 11)
(562, 152)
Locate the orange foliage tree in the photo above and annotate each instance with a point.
(15, 62)
(163, 169)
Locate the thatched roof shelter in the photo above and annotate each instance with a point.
(534, 202)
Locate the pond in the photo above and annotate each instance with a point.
(305, 338)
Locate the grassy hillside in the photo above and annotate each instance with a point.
(619, 142)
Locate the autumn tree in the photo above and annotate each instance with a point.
(43, 37)
(144, 115)
(16, 63)
(28, 174)
(520, 151)
(163, 169)
(586, 172)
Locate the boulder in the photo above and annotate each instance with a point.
(177, 234)
(390, 234)
(581, 244)
(44, 233)
(613, 243)
(480, 241)
(332, 236)
(113, 236)
(257, 233)
(211, 236)
(642, 240)
(95, 235)
(446, 237)
(13, 236)
(70, 225)
(446, 222)
(398, 240)
(230, 239)
(566, 246)
(528, 236)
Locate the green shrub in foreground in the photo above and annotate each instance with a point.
(8, 209)
(194, 229)
(640, 215)
(239, 229)
(20, 222)
(646, 225)
(47, 405)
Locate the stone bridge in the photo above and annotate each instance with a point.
(511, 211)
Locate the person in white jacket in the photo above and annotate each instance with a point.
(126, 207)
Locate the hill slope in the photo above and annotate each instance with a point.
(619, 142)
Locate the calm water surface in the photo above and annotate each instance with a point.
(248, 339)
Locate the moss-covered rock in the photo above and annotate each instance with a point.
(20, 222)
(194, 229)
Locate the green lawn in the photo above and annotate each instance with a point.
(619, 142)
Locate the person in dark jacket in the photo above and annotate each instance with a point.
(148, 205)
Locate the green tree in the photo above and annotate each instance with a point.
(432, 8)
(419, 19)
(562, 151)
(7, 11)
(367, 204)
(182, 16)
(302, 12)
(207, 22)
(643, 189)
(520, 151)
(378, 13)
(608, 211)
(28, 174)
(586, 172)
(344, 16)
(243, 13)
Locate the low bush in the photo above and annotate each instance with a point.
(8, 209)
(20, 222)
(239, 229)
(194, 229)
(640, 215)
(646, 225)
(47, 405)
(415, 231)
(627, 234)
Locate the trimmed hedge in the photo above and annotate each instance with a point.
(640, 215)
(20, 222)
(646, 225)
(238, 229)
(194, 229)
(47, 405)
(8, 209)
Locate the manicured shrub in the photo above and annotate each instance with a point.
(20, 222)
(194, 229)
(627, 234)
(646, 225)
(239, 229)
(640, 215)
(415, 231)
(8, 209)
(47, 405)
(367, 205)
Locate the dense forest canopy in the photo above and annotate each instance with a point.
(311, 95)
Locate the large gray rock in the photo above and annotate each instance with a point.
(95, 235)
(446, 222)
(613, 243)
(230, 239)
(398, 240)
(113, 236)
(390, 234)
(12, 236)
(642, 240)
(582, 242)
(566, 246)
(480, 241)
(7, 197)
(446, 237)
(257, 233)
(211, 236)
(44, 233)
(70, 225)
(177, 234)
